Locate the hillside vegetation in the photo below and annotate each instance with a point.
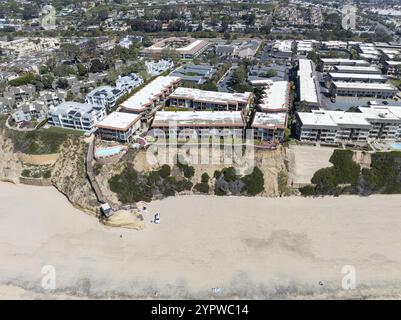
(43, 141)
(346, 176)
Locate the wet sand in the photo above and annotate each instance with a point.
(249, 247)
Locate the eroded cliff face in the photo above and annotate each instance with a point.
(10, 166)
(271, 163)
(69, 175)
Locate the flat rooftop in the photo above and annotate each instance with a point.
(364, 86)
(270, 120)
(338, 75)
(349, 119)
(344, 61)
(333, 119)
(320, 118)
(144, 97)
(119, 121)
(75, 109)
(198, 119)
(357, 69)
(210, 96)
(181, 45)
(275, 96)
(308, 89)
(379, 113)
(393, 63)
(396, 110)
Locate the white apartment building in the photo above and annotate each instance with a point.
(119, 126)
(210, 100)
(129, 82)
(371, 123)
(357, 69)
(275, 97)
(357, 77)
(155, 68)
(282, 49)
(74, 115)
(187, 124)
(332, 126)
(392, 67)
(151, 97)
(363, 89)
(269, 127)
(328, 64)
(105, 96)
(308, 86)
(386, 122)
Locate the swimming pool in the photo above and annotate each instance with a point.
(396, 146)
(103, 153)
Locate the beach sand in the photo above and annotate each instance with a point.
(248, 247)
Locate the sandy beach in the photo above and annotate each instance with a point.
(248, 247)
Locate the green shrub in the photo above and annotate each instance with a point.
(385, 173)
(26, 173)
(217, 174)
(254, 182)
(343, 171)
(25, 79)
(187, 170)
(128, 187)
(202, 187)
(47, 174)
(229, 174)
(219, 192)
(307, 191)
(165, 171)
(325, 181)
(205, 178)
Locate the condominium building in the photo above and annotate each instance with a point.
(74, 115)
(151, 97)
(357, 77)
(392, 67)
(28, 111)
(39, 108)
(362, 89)
(370, 123)
(386, 121)
(306, 46)
(195, 73)
(283, 49)
(327, 64)
(269, 126)
(119, 126)
(308, 84)
(129, 82)
(186, 48)
(357, 69)
(155, 68)
(105, 96)
(275, 97)
(184, 124)
(331, 126)
(210, 100)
